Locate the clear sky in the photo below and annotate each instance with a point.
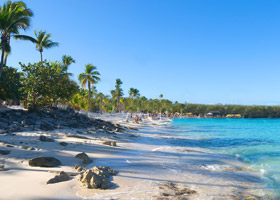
(199, 51)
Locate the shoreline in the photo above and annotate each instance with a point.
(149, 168)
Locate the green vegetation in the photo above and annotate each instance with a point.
(49, 83)
(10, 84)
(89, 77)
(42, 41)
(13, 17)
(45, 84)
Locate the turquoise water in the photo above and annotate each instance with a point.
(256, 141)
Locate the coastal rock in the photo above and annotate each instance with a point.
(2, 168)
(171, 190)
(96, 177)
(45, 139)
(84, 157)
(14, 128)
(26, 148)
(46, 126)
(5, 152)
(28, 122)
(110, 143)
(77, 136)
(74, 124)
(62, 176)
(63, 144)
(2, 132)
(107, 171)
(44, 162)
(78, 168)
(132, 128)
(91, 132)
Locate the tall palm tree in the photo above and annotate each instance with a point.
(99, 97)
(13, 17)
(67, 60)
(119, 92)
(42, 41)
(90, 76)
(160, 97)
(133, 94)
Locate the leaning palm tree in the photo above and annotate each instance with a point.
(42, 41)
(90, 76)
(67, 60)
(13, 17)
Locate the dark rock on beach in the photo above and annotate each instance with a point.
(26, 148)
(5, 152)
(83, 156)
(110, 143)
(132, 128)
(77, 136)
(46, 126)
(2, 168)
(63, 144)
(14, 127)
(62, 176)
(45, 139)
(44, 162)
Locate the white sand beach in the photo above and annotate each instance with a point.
(148, 167)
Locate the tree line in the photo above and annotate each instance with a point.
(49, 83)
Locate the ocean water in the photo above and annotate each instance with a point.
(254, 141)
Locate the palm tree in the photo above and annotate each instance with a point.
(119, 92)
(67, 60)
(160, 97)
(42, 41)
(90, 76)
(13, 17)
(99, 97)
(133, 94)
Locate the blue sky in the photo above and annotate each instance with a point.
(199, 51)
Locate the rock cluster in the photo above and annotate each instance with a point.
(95, 177)
(49, 119)
(44, 162)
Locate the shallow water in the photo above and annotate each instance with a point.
(256, 141)
(218, 158)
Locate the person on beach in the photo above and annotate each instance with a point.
(136, 119)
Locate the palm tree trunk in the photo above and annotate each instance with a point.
(88, 95)
(5, 60)
(41, 56)
(100, 106)
(2, 57)
(119, 110)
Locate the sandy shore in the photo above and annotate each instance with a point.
(148, 167)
